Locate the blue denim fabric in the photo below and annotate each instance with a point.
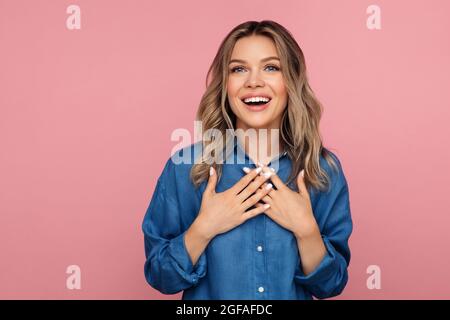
(258, 259)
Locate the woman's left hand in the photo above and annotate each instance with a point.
(291, 210)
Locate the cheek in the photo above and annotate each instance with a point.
(283, 93)
(232, 93)
(232, 87)
(280, 88)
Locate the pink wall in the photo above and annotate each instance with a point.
(86, 117)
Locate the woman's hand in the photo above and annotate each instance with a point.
(291, 210)
(223, 211)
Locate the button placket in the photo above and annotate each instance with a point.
(260, 269)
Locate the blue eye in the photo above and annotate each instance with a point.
(235, 68)
(240, 68)
(274, 68)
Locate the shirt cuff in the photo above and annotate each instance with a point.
(183, 263)
(323, 271)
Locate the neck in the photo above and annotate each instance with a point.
(260, 144)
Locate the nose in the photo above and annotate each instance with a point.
(254, 80)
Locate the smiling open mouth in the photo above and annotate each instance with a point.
(256, 101)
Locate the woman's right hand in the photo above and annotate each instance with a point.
(223, 211)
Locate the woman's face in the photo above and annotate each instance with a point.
(255, 71)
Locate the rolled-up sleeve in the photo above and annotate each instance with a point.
(168, 266)
(334, 218)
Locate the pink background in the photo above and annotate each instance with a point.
(86, 117)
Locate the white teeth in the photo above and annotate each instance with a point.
(256, 99)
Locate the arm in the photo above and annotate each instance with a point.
(312, 250)
(196, 241)
(325, 255)
(168, 266)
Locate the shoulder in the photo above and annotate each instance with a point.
(331, 164)
(327, 158)
(187, 155)
(178, 166)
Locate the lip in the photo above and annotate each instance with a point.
(253, 95)
(257, 108)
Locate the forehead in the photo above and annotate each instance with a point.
(254, 48)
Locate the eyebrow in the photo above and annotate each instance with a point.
(263, 60)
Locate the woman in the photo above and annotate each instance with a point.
(219, 229)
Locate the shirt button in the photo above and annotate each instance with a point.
(261, 289)
(259, 248)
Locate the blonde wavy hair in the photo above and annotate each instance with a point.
(300, 120)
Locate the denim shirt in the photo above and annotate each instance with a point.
(258, 259)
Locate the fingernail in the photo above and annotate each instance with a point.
(246, 170)
(211, 171)
(269, 186)
(258, 170)
(266, 206)
(302, 173)
(272, 169)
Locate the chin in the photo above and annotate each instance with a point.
(257, 122)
